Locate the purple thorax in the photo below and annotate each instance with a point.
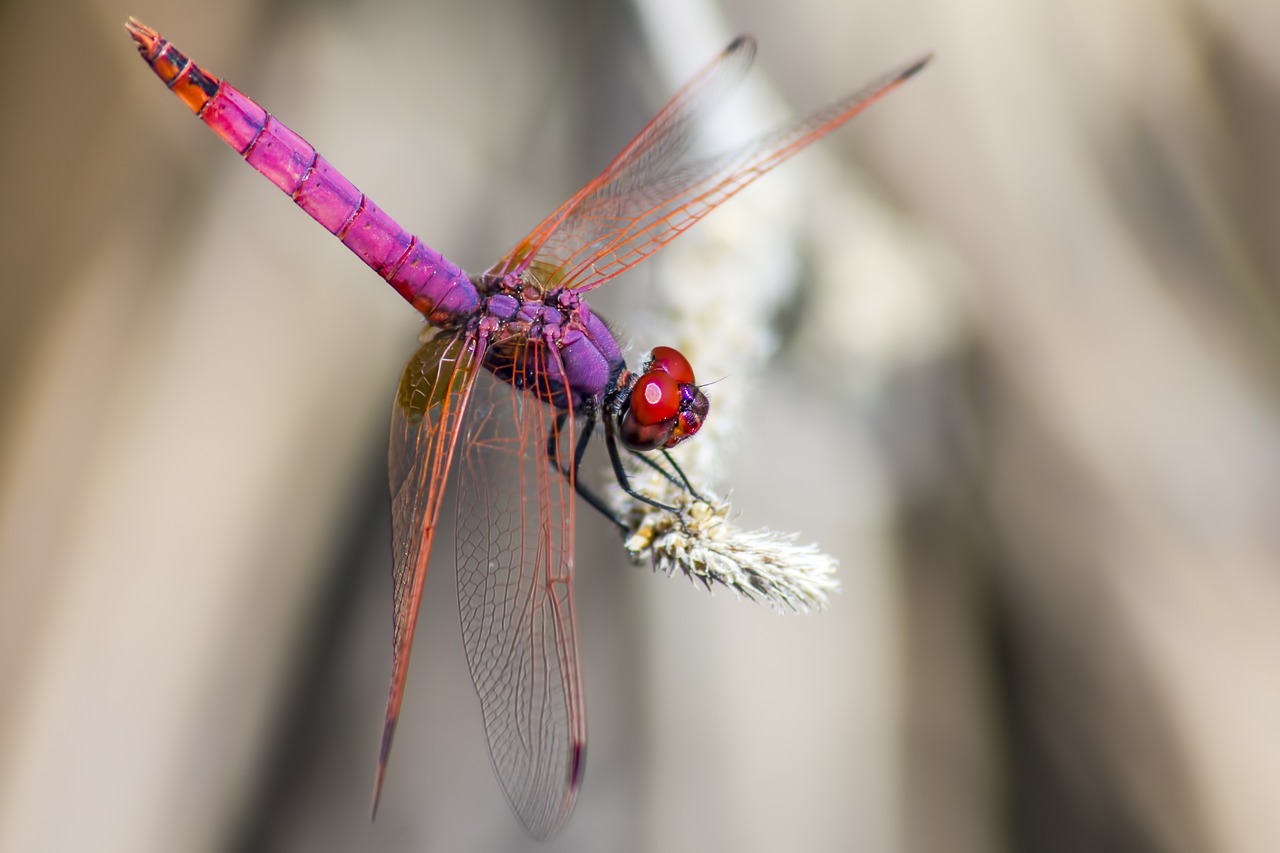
(581, 359)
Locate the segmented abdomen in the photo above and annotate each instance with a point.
(433, 285)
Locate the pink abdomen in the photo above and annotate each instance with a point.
(433, 285)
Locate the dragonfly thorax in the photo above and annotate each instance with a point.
(549, 344)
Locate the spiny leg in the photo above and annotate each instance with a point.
(681, 483)
(643, 457)
(684, 479)
(553, 453)
(620, 473)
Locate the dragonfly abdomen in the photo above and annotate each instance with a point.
(424, 277)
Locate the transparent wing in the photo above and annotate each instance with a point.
(425, 421)
(659, 144)
(654, 191)
(515, 595)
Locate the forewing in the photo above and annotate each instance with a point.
(425, 421)
(623, 221)
(654, 150)
(515, 595)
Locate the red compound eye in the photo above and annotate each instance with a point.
(655, 398)
(673, 363)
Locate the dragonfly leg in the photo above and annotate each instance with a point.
(553, 454)
(643, 457)
(684, 479)
(682, 482)
(620, 473)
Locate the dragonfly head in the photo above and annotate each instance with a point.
(664, 406)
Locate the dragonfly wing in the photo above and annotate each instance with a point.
(662, 191)
(425, 421)
(662, 142)
(515, 595)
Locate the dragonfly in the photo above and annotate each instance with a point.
(514, 376)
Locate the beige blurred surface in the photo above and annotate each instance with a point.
(1024, 391)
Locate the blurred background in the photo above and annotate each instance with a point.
(1019, 377)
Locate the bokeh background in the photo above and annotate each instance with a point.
(1022, 384)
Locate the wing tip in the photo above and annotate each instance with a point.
(916, 67)
(577, 765)
(384, 753)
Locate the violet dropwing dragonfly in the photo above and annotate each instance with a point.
(513, 382)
